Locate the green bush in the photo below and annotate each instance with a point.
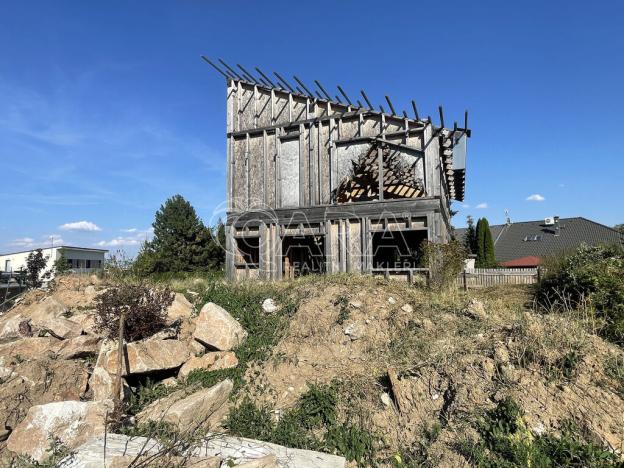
(591, 277)
(445, 262)
(312, 424)
(507, 442)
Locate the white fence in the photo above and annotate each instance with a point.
(484, 277)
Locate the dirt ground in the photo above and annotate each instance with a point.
(451, 357)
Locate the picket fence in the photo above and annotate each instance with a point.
(484, 277)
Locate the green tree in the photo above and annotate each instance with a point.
(61, 266)
(35, 266)
(486, 257)
(181, 241)
(470, 240)
(619, 228)
(217, 246)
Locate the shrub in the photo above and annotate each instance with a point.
(445, 262)
(312, 424)
(591, 277)
(145, 310)
(506, 441)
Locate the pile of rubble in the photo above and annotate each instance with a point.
(57, 377)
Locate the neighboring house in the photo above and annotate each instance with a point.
(526, 244)
(316, 185)
(79, 259)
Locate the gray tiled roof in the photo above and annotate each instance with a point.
(510, 243)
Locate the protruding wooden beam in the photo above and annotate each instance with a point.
(206, 59)
(344, 95)
(320, 86)
(370, 106)
(390, 105)
(415, 110)
(441, 111)
(265, 77)
(232, 70)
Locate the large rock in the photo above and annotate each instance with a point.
(59, 327)
(10, 327)
(240, 450)
(179, 308)
(86, 320)
(49, 308)
(72, 422)
(28, 349)
(82, 346)
(142, 357)
(202, 409)
(209, 361)
(216, 328)
(119, 451)
(102, 385)
(39, 382)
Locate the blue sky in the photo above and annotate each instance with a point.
(106, 109)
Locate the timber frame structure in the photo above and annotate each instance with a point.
(318, 185)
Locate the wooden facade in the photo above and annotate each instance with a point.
(317, 185)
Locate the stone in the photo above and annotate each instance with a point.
(10, 327)
(28, 349)
(146, 356)
(102, 385)
(39, 382)
(475, 309)
(73, 422)
(196, 348)
(501, 353)
(49, 308)
(59, 327)
(90, 292)
(169, 382)
(80, 347)
(180, 308)
(216, 328)
(202, 409)
(356, 304)
(268, 461)
(391, 300)
(87, 321)
(385, 399)
(240, 450)
(55, 380)
(269, 306)
(209, 361)
(354, 331)
(407, 308)
(122, 450)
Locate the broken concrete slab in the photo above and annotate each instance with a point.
(142, 357)
(209, 361)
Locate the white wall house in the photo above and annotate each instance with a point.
(79, 259)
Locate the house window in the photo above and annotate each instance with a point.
(7, 265)
(88, 263)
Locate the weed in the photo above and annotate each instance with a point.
(57, 451)
(343, 314)
(312, 424)
(418, 455)
(614, 368)
(507, 442)
(146, 394)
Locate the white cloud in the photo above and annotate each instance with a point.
(137, 237)
(535, 197)
(53, 239)
(23, 242)
(80, 226)
(481, 206)
(119, 242)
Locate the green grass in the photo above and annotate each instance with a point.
(507, 442)
(312, 424)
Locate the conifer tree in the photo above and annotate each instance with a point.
(470, 241)
(181, 240)
(486, 257)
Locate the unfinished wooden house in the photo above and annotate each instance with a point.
(320, 184)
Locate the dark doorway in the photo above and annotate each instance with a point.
(248, 251)
(397, 249)
(303, 255)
